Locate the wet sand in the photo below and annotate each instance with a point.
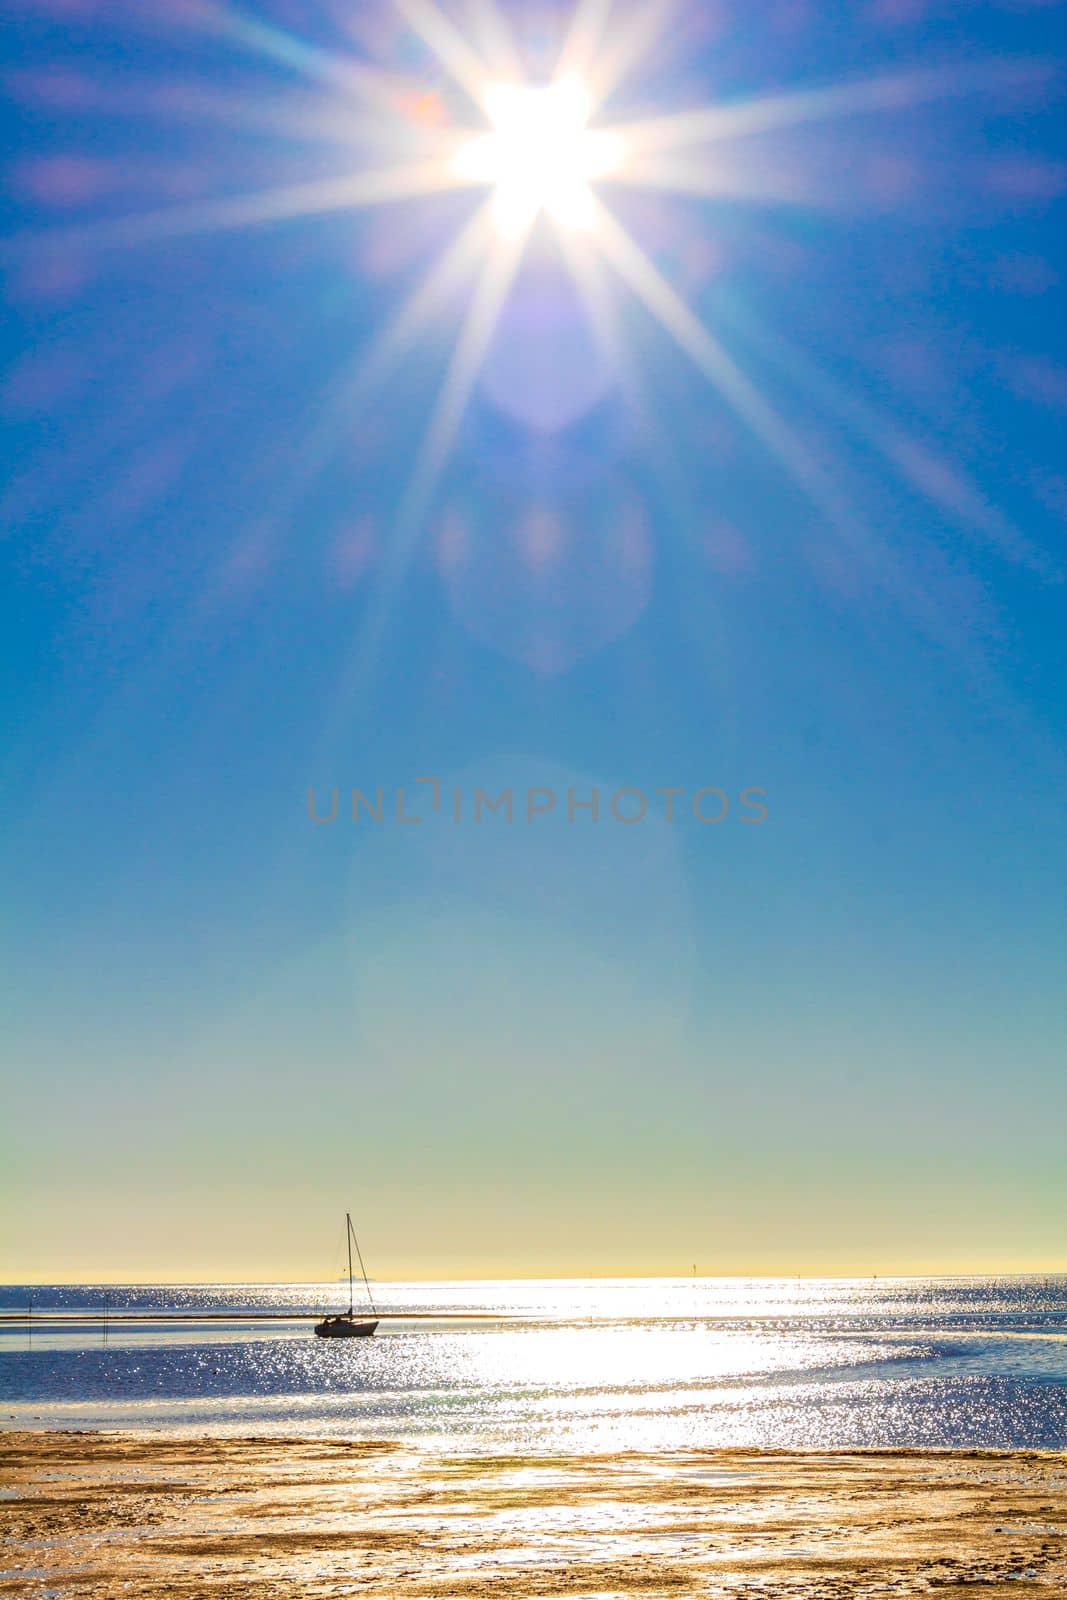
(171, 1515)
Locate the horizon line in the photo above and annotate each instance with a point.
(586, 1277)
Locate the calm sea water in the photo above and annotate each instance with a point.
(590, 1365)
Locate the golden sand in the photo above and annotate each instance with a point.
(169, 1515)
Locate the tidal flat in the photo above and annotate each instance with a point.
(152, 1514)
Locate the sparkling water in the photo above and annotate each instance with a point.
(571, 1365)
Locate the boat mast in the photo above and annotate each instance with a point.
(359, 1254)
(348, 1230)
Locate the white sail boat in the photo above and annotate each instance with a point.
(345, 1324)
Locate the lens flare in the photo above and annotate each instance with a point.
(495, 128)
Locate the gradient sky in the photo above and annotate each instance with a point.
(829, 1043)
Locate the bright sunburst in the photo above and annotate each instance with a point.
(540, 151)
(541, 156)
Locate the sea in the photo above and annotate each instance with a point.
(556, 1366)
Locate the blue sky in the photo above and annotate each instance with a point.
(829, 1043)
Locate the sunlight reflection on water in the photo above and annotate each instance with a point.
(584, 1366)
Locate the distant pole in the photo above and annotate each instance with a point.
(29, 1323)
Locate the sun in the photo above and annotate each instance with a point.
(540, 157)
(553, 150)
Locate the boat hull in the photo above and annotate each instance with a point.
(345, 1328)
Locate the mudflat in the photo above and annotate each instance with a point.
(143, 1514)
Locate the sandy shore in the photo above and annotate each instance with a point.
(138, 1515)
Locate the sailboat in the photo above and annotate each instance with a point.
(345, 1324)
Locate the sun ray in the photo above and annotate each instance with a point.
(419, 310)
(487, 302)
(475, 335)
(893, 92)
(382, 89)
(589, 277)
(584, 35)
(373, 367)
(701, 176)
(442, 36)
(840, 516)
(676, 317)
(630, 44)
(590, 274)
(496, 39)
(341, 406)
(384, 186)
(939, 481)
(334, 122)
